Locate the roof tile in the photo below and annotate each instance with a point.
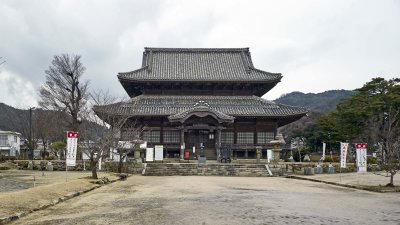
(166, 105)
(198, 64)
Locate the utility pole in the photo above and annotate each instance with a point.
(31, 147)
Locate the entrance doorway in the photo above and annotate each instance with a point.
(201, 138)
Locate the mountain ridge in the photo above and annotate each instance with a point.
(322, 102)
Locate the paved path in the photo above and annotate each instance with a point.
(222, 200)
(357, 179)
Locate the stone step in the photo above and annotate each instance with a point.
(186, 169)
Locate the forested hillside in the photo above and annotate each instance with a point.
(46, 124)
(8, 116)
(320, 102)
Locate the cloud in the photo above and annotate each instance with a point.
(16, 91)
(316, 45)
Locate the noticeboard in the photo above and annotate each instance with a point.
(158, 152)
(149, 154)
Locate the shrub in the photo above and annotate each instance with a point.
(6, 158)
(52, 157)
(328, 159)
(371, 160)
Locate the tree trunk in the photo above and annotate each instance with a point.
(120, 165)
(391, 184)
(93, 166)
(121, 162)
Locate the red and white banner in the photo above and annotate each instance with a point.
(343, 153)
(72, 144)
(361, 150)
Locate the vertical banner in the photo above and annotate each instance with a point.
(323, 150)
(149, 154)
(361, 157)
(72, 144)
(343, 154)
(159, 152)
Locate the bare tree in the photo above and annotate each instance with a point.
(129, 140)
(102, 135)
(49, 128)
(24, 121)
(64, 90)
(385, 131)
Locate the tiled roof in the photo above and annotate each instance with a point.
(166, 105)
(198, 64)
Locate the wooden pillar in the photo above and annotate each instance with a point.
(182, 142)
(218, 142)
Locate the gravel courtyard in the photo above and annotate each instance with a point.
(222, 200)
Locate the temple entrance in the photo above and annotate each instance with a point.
(201, 139)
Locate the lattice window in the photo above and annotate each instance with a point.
(171, 136)
(152, 136)
(245, 138)
(129, 135)
(3, 140)
(265, 137)
(227, 137)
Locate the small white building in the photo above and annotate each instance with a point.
(9, 143)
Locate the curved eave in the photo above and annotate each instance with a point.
(157, 80)
(134, 87)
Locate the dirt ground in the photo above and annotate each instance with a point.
(222, 200)
(23, 190)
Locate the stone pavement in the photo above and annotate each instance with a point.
(355, 180)
(221, 200)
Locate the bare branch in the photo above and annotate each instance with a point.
(63, 90)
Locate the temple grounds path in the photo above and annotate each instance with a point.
(222, 200)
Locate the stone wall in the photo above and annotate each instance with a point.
(59, 165)
(128, 167)
(278, 168)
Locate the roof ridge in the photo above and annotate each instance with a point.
(246, 49)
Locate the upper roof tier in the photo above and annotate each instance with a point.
(187, 65)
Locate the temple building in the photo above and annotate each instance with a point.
(202, 99)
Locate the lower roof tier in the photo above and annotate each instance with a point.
(229, 106)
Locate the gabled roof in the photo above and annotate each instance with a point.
(233, 106)
(201, 109)
(198, 64)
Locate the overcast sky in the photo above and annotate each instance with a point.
(316, 45)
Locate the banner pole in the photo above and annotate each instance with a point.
(66, 171)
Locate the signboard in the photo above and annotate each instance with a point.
(72, 144)
(361, 150)
(158, 152)
(85, 155)
(143, 145)
(269, 155)
(343, 153)
(149, 154)
(13, 151)
(125, 144)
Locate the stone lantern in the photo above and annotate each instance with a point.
(277, 146)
